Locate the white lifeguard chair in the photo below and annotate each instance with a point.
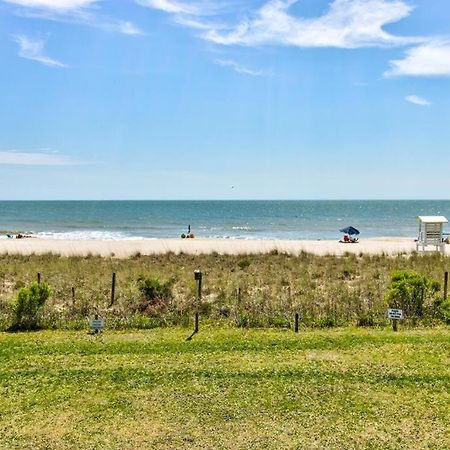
(431, 232)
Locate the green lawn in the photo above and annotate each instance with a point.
(227, 388)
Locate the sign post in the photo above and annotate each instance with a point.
(395, 315)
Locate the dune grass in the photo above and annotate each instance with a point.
(227, 388)
(326, 291)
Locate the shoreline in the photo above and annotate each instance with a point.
(199, 246)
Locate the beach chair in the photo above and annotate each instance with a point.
(348, 240)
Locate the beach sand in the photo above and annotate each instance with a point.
(126, 248)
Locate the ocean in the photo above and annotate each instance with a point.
(114, 220)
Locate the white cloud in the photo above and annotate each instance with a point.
(346, 23)
(239, 68)
(12, 157)
(192, 8)
(416, 100)
(74, 12)
(129, 28)
(55, 5)
(171, 6)
(429, 59)
(34, 49)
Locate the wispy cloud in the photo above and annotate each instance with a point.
(429, 59)
(54, 5)
(34, 49)
(239, 68)
(84, 12)
(416, 100)
(13, 157)
(128, 28)
(170, 6)
(193, 8)
(346, 24)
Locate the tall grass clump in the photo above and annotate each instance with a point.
(156, 295)
(29, 306)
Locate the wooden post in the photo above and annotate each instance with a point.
(238, 303)
(113, 289)
(198, 276)
(73, 296)
(39, 277)
(395, 324)
(296, 322)
(445, 285)
(196, 322)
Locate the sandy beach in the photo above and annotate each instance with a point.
(126, 248)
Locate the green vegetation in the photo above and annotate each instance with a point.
(413, 293)
(231, 386)
(227, 389)
(243, 291)
(29, 306)
(153, 290)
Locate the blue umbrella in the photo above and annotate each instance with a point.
(350, 231)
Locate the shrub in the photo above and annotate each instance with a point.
(443, 310)
(154, 291)
(411, 292)
(29, 305)
(244, 264)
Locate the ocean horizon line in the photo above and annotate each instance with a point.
(279, 219)
(238, 200)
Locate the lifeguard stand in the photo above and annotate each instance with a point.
(431, 232)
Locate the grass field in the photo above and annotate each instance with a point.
(227, 388)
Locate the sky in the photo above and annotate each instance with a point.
(224, 99)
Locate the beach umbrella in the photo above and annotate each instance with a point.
(350, 231)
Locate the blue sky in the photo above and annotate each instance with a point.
(224, 99)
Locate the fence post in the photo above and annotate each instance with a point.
(198, 276)
(445, 285)
(73, 296)
(296, 322)
(196, 322)
(113, 289)
(39, 277)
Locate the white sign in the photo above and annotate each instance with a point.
(97, 324)
(396, 314)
